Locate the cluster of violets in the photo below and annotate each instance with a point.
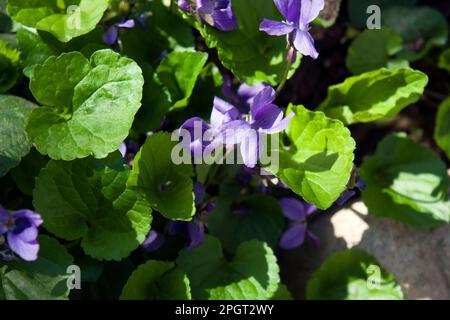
(217, 13)
(230, 126)
(298, 14)
(252, 108)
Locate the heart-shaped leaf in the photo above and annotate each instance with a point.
(352, 275)
(157, 280)
(374, 95)
(251, 275)
(155, 174)
(407, 182)
(318, 163)
(421, 28)
(36, 47)
(64, 21)
(374, 49)
(89, 105)
(88, 199)
(14, 115)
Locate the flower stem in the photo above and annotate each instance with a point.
(290, 61)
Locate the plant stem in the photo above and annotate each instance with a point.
(290, 59)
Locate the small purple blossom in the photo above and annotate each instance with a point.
(345, 196)
(193, 230)
(243, 97)
(350, 193)
(298, 14)
(264, 118)
(21, 230)
(111, 35)
(199, 193)
(230, 127)
(296, 212)
(128, 150)
(217, 13)
(153, 242)
(222, 113)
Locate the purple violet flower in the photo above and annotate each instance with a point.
(21, 230)
(348, 194)
(296, 212)
(111, 35)
(128, 150)
(345, 196)
(199, 193)
(264, 118)
(222, 113)
(298, 14)
(230, 127)
(153, 242)
(244, 95)
(193, 230)
(217, 13)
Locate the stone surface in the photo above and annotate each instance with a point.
(419, 259)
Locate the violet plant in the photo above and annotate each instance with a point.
(115, 134)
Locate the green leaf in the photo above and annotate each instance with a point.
(442, 130)
(318, 163)
(6, 24)
(357, 9)
(282, 293)
(169, 87)
(43, 279)
(9, 66)
(178, 73)
(155, 174)
(406, 182)
(88, 199)
(89, 105)
(374, 95)
(352, 275)
(64, 21)
(36, 47)
(237, 219)
(374, 49)
(157, 280)
(164, 32)
(444, 60)
(421, 28)
(251, 275)
(252, 55)
(34, 50)
(14, 144)
(209, 85)
(25, 173)
(155, 103)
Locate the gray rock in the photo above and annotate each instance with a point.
(419, 259)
